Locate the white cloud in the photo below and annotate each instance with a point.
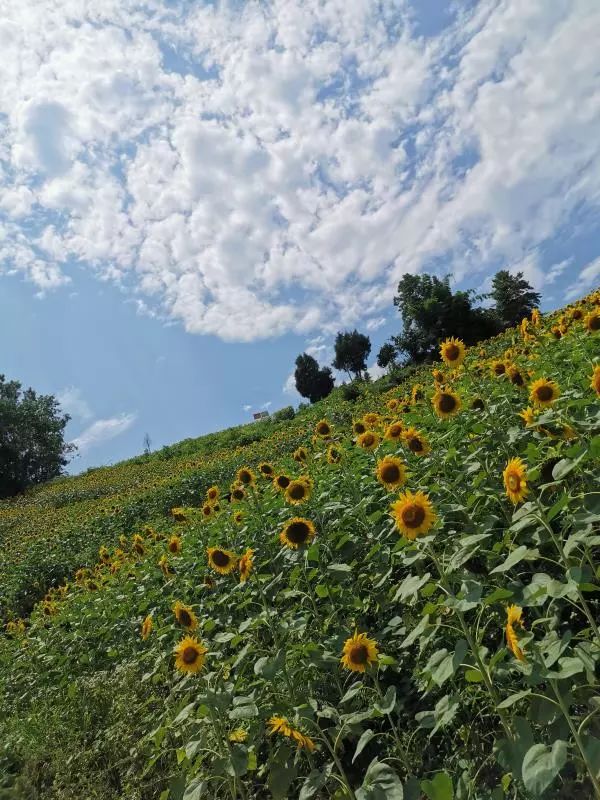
(247, 407)
(588, 277)
(287, 166)
(103, 430)
(72, 402)
(289, 387)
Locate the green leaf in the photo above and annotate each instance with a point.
(591, 745)
(542, 764)
(410, 586)
(269, 667)
(321, 590)
(416, 632)
(362, 743)
(514, 698)
(380, 783)
(340, 569)
(315, 781)
(515, 558)
(496, 596)
(352, 691)
(244, 708)
(473, 676)
(196, 789)
(558, 506)
(386, 706)
(440, 788)
(280, 779)
(449, 662)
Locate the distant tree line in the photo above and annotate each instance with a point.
(431, 312)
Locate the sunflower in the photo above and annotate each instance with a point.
(358, 428)
(416, 442)
(371, 419)
(138, 545)
(281, 482)
(576, 313)
(179, 514)
(394, 431)
(296, 532)
(212, 494)
(392, 404)
(266, 470)
(391, 472)
(299, 490)
(147, 626)
(452, 352)
(15, 627)
(281, 726)
(536, 316)
(174, 544)
(592, 321)
(208, 510)
(185, 616)
(543, 392)
(222, 561)
(359, 652)
(498, 368)
(413, 514)
(595, 384)
(238, 493)
(323, 429)
(238, 736)
(300, 454)
(238, 517)
(556, 332)
(189, 655)
(245, 565)
(416, 394)
(515, 480)
(515, 375)
(104, 555)
(334, 454)
(368, 440)
(438, 375)
(245, 476)
(446, 403)
(514, 616)
(163, 563)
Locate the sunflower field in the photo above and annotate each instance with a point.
(397, 597)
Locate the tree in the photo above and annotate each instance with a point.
(386, 356)
(431, 312)
(32, 444)
(351, 352)
(514, 298)
(312, 381)
(147, 444)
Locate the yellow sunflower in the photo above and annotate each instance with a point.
(556, 332)
(179, 514)
(138, 545)
(298, 531)
(368, 440)
(208, 510)
(238, 493)
(515, 375)
(452, 352)
(417, 394)
(245, 476)
(299, 490)
(359, 652)
(222, 561)
(498, 368)
(543, 392)
(300, 454)
(514, 616)
(515, 480)
(281, 482)
(595, 383)
(266, 470)
(245, 565)
(446, 403)
(392, 404)
(163, 563)
(371, 419)
(238, 517)
(334, 454)
(147, 626)
(358, 428)
(527, 415)
(413, 514)
(185, 616)
(438, 375)
(174, 544)
(394, 431)
(280, 725)
(238, 735)
(391, 472)
(212, 494)
(323, 429)
(190, 655)
(576, 313)
(416, 442)
(592, 321)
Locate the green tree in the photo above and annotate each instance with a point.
(386, 358)
(351, 352)
(32, 444)
(513, 296)
(431, 312)
(312, 381)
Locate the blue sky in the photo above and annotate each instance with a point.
(192, 194)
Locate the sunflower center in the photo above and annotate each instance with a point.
(185, 617)
(447, 403)
(577, 314)
(359, 654)
(245, 476)
(220, 558)
(594, 323)
(189, 655)
(359, 428)
(395, 431)
(297, 532)
(517, 378)
(452, 352)
(368, 440)
(514, 483)
(390, 473)
(283, 481)
(297, 491)
(415, 445)
(238, 495)
(413, 515)
(334, 454)
(323, 429)
(544, 393)
(499, 369)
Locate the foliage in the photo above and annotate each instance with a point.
(351, 352)
(32, 444)
(513, 297)
(311, 381)
(386, 358)
(283, 413)
(478, 677)
(431, 312)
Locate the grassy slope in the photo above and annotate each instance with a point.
(83, 683)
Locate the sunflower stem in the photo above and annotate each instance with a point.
(339, 766)
(401, 749)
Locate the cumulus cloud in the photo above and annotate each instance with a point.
(72, 402)
(249, 170)
(103, 430)
(588, 277)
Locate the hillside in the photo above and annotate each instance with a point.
(415, 616)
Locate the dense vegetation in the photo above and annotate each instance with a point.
(413, 615)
